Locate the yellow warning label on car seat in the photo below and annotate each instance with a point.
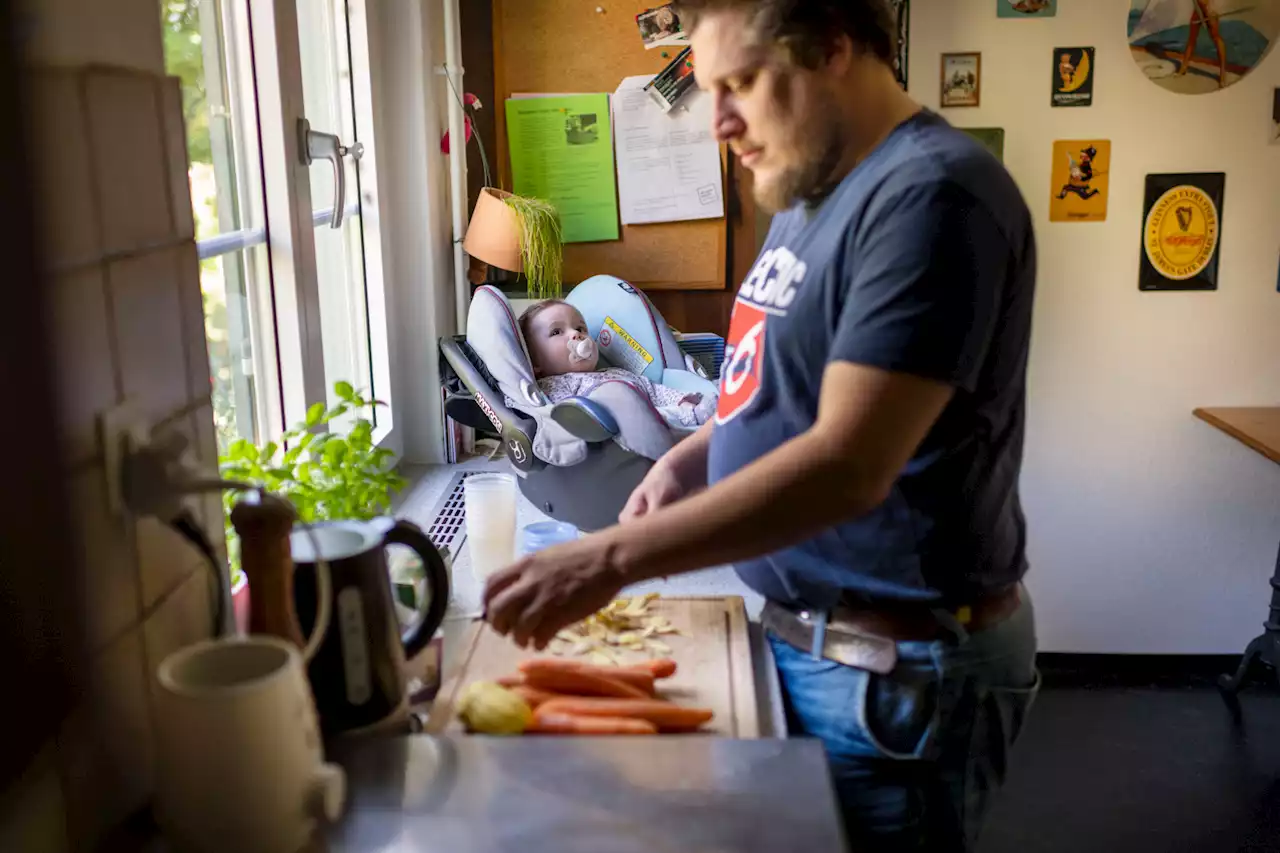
(622, 349)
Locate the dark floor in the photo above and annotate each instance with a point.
(1146, 769)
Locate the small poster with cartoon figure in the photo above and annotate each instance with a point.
(1081, 171)
(1072, 77)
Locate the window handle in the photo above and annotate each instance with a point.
(313, 146)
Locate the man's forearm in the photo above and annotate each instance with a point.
(778, 501)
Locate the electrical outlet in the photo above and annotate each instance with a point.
(119, 429)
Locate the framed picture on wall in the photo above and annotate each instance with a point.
(961, 80)
(1275, 117)
(1080, 177)
(902, 16)
(1181, 231)
(1026, 8)
(1072, 77)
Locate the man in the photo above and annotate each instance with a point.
(862, 468)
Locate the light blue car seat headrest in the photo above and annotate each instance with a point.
(630, 331)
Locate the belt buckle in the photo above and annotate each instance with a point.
(850, 647)
(819, 631)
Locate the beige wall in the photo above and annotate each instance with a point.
(127, 322)
(1149, 531)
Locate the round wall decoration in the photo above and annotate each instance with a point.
(1182, 232)
(1194, 47)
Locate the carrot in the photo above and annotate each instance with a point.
(513, 680)
(659, 667)
(568, 724)
(551, 675)
(640, 679)
(534, 696)
(667, 716)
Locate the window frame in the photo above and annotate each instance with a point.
(287, 305)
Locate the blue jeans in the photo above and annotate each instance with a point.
(917, 755)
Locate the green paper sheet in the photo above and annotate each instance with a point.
(562, 152)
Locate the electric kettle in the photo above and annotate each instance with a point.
(357, 674)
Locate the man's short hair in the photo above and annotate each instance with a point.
(809, 29)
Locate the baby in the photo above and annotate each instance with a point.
(565, 357)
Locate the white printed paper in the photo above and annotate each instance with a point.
(668, 163)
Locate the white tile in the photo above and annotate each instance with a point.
(83, 363)
(165, 560)
(109, 578)
(191, 301)
(185, 617)
(106, 747)
(60, 150)
(148, 329)
(32, 812)
(175, 147)
(128, 159)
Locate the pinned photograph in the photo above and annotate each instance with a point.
(1072, 76)
(1275, 117)
(1080, 179)
(961, 80)
(1026, 8)
(1194, 47)
(581, 129)
(1181, 231)
(660, 27)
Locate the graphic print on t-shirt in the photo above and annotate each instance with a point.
(768, 290)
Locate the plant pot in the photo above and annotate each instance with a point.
(240, 605)
(493, 235)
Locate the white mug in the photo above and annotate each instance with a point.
(240, 763)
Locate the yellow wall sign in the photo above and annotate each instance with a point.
(1081, 177)
(1181, 232)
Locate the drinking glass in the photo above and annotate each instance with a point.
(491, 522)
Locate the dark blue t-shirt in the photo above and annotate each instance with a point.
(921, 261)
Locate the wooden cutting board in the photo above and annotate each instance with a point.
(712, 653)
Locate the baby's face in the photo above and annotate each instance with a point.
(550, 333)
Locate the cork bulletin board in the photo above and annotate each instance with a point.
(584, 46)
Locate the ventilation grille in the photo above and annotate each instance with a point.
(448, 521)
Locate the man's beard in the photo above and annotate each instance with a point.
(810, 179)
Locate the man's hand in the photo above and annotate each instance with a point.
(545, 591)
(659, 487)
(674, 477)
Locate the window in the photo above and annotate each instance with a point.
(290, 269)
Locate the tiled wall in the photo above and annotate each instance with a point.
(126, 312)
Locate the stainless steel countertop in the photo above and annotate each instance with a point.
(664, 794)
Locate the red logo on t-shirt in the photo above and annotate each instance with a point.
(740, 375)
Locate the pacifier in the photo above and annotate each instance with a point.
(583, 349)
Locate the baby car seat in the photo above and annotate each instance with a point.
(490, 386)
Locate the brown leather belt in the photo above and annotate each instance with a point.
(865, 634)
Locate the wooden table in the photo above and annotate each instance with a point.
(1257, 427)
